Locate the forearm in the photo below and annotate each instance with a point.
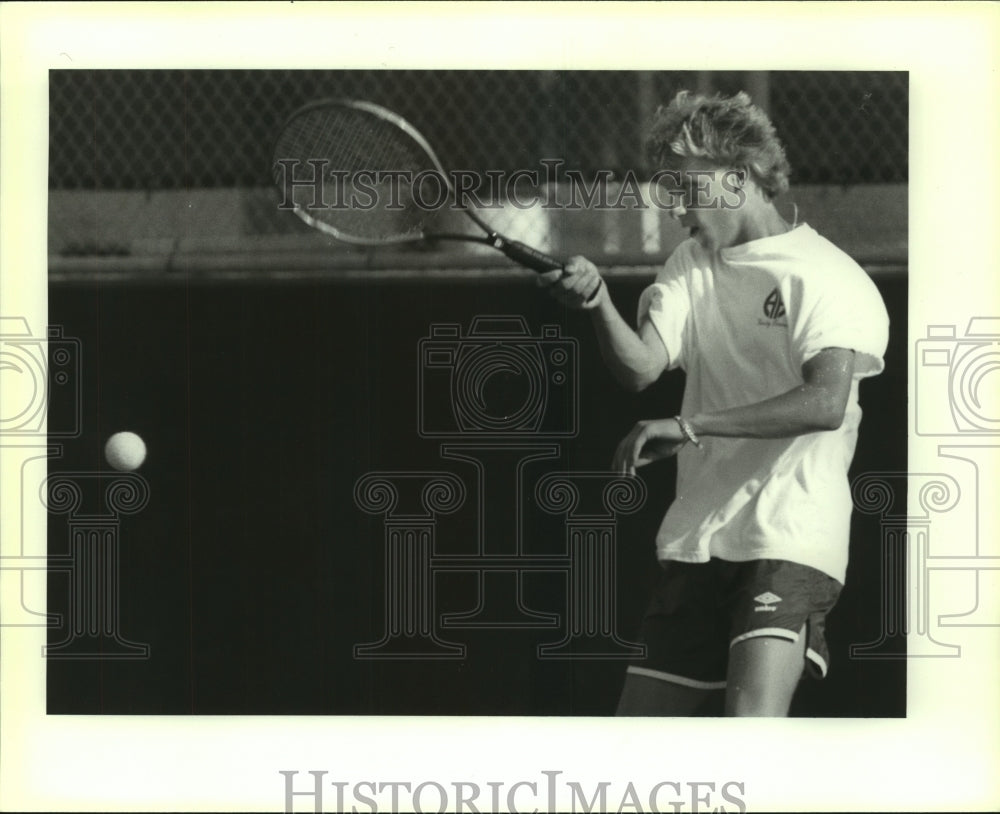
(627, 356)
(805, 409)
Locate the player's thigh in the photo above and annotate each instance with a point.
(685, 634)
(764, 672)
(643, 695)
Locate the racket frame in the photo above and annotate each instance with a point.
(519, 252)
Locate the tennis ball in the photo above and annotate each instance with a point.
(125, 451)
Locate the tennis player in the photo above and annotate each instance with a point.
(774, 327)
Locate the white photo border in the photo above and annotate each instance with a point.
(943, 756)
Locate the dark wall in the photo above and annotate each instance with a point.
(252, 572)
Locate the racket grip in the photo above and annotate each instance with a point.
(532, 258)
(525, 255)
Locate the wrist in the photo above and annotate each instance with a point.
(688, 430)
(602, 308)
(599, 300)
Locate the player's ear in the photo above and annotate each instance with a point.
(736, 182)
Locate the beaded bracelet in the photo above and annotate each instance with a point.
(688, 432)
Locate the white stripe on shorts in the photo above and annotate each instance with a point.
(818, 660)
(784, 633)
(781, 632)
(675, 679)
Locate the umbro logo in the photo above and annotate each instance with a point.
(766, 601)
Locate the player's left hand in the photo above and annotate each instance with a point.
(648, 441)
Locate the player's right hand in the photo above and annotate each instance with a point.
(578, 285)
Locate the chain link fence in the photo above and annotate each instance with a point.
(154, 133)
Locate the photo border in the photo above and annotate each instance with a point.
(941, 757)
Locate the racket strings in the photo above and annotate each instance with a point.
(351, 142)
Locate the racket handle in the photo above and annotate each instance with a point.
(525, 255)
(532, 258)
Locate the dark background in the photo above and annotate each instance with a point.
(182, 129)
(252, 573)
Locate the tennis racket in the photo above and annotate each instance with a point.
(348, 168)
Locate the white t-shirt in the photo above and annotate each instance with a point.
(741, 322)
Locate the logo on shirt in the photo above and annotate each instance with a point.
(766, 601)
(774, 310)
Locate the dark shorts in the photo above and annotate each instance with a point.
(700, 610)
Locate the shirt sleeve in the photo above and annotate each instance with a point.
(667, 305)
(840, 309)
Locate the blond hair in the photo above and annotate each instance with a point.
(727, 131)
